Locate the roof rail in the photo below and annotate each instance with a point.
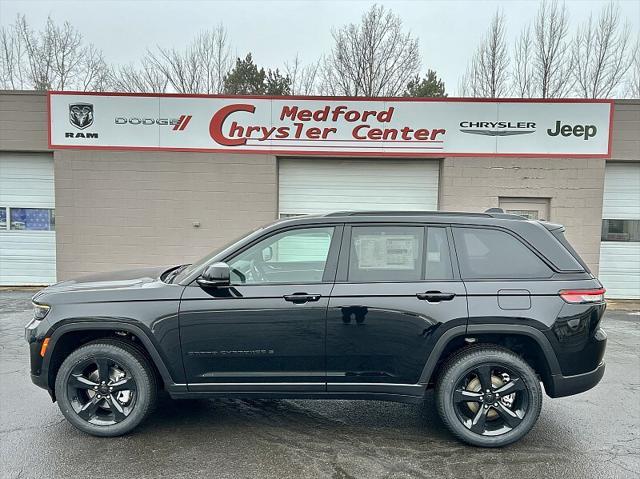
(406, 213)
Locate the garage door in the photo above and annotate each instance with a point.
(620, 247)
(27, 221)
(315, 186)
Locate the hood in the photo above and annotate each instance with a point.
(117, 280)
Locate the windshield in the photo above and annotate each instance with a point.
(202, 261)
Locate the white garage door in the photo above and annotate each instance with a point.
(620, 247)
(316, 186)
(27, 221)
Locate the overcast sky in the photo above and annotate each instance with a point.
(275, 30)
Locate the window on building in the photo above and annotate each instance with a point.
(386, 253)
(295, 256)
(529, 214)
(530, 208)
(494, 254)
(3, 218)
(621, 230)
(32, 219)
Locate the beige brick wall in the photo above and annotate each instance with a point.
(626, 131)
(23, 121)
(117, 210)
(574, 187)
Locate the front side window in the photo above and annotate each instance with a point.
(386, 253)
(32, 219)
(494, 254)
(295, 256)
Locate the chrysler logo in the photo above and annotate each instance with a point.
(498, 128)
(81, 115)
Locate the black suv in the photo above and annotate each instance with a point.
(371, 305)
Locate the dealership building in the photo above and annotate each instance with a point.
(95, 182)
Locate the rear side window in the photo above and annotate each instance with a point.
(386, 253)
(494, 254)
(438, 259)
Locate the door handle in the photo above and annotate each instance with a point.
(435, 296)
(299, 298)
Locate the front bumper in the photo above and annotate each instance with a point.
(34, 338)
(568, 385)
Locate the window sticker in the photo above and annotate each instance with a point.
(386, 251)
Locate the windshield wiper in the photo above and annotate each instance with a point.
(172, 274)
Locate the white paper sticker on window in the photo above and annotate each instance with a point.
(386, 251)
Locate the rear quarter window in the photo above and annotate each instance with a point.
(494, 254)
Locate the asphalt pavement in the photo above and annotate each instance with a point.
(592, 435)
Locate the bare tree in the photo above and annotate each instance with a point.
(302, 77)
(601, 54)
(216, 56)
(12, 59)
(67, 52)
(38, 48)
(633, 81)
(523, 83)
(488, 71)
(94, 73)
(200, 67)
(552, 65)
(373, 58)
(147, 78)
(542, 55)
(467, 84)
(53, 58)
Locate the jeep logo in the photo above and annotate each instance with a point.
(584, 131)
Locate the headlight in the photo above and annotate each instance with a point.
(40, 311)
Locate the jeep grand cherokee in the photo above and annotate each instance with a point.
(485, 308)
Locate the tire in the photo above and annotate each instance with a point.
(483, 419)
(128, 373)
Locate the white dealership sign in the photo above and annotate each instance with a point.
(402, 127)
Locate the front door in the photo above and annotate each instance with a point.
(395, 294)
(268, 328)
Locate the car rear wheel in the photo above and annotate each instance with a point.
(106, 388)
(488, 396)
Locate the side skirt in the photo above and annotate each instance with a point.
(411, 393)
(298, 395)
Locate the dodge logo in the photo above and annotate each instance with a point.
(81, 115)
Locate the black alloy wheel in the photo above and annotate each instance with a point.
(488, 396)
(106, 387)
(102, 392)
(490, 400)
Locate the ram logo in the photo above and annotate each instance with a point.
(81, 115)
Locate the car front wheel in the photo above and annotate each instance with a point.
(488, 396)
(106, 388)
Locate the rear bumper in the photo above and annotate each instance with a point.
(568, 385)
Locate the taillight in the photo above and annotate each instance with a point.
(582, 295)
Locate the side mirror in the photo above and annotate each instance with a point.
(267, 254)
(215, 275)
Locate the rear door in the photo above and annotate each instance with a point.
(396, 293)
